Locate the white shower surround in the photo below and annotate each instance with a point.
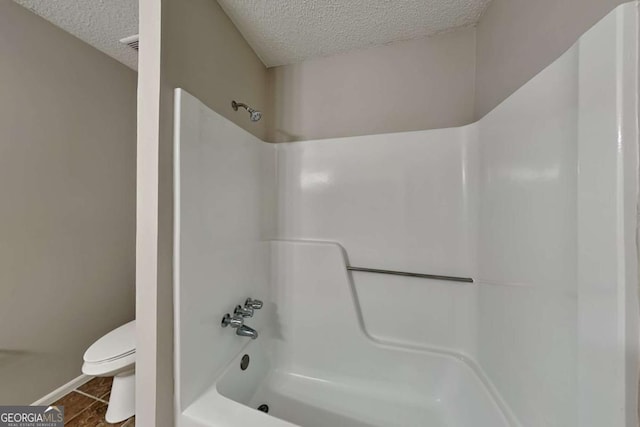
(537, 202)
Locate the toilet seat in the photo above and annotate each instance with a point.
(113, 353)
(109, 368)
(116, 344)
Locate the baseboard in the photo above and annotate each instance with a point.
(63, 390)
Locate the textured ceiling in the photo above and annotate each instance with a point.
(101, 23)
(285, 31)
(280, 31)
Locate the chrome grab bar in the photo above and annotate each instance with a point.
(419, 275)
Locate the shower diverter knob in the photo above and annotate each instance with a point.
(253, 303)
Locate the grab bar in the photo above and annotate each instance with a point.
(404, 273)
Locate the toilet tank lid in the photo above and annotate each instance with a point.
(117, 343)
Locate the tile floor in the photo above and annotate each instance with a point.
(86, 405)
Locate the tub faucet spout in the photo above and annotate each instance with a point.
(246, 331)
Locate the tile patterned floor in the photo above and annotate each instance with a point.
(86, 405)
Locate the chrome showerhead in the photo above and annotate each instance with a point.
(254, 114)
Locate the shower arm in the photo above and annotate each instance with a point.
(254, 114)
(235, 105)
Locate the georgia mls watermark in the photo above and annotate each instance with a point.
(31, 416)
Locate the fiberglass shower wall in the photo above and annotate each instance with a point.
(536, 202)
(225, 215)
(557, 270)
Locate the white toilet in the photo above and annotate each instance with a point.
(114, 355)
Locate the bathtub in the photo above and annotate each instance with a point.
(315, 367)
(428, 391)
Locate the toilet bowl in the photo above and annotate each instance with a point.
(114, 355)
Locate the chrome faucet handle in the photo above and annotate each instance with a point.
(244, 312)
(253, 303)
(234, 322)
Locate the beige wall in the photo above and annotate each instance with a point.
(516, 39)
(192, 45)
(428, 83)
(404, 86)
(67, 216)
(204, 53)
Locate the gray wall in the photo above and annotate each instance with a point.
(191, 45)
(67, 217)
(516, 39)
(411, 85)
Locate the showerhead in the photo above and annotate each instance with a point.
(254, 114)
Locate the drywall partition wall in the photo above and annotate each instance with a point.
(189, 44)
(67, 219)
(516, 39)
(399, 202)
(225, 216)
(154, 332)
(405, 86)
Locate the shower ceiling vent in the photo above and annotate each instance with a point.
(131, 41)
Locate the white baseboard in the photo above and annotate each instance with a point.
(63, 390)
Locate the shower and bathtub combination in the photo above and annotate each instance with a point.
(481, 276)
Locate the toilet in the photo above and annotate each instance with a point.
(114, 355)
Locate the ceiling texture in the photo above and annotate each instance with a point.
(287, 31)
(279, 31)
(100, 23)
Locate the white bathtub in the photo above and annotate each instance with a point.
(442, 392)
(320, 367)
